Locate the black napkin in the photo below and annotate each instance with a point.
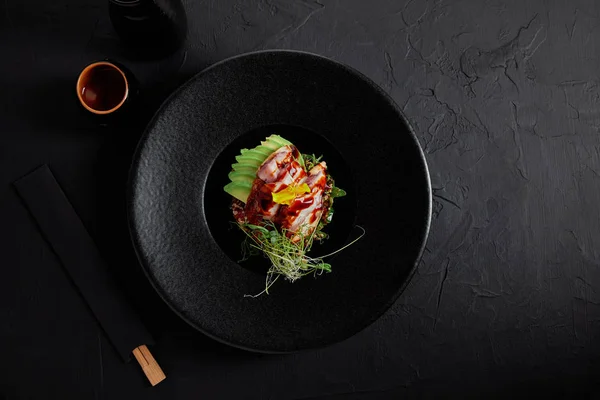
(79, 255)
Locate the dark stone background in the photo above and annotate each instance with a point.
(505, 99)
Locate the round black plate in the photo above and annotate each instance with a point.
(180, 218)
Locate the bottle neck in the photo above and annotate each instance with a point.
(125, 2)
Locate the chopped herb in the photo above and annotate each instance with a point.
(310, 160)
(337, 192)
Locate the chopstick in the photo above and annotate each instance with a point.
(149, 365)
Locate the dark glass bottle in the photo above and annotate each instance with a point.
(150, 28)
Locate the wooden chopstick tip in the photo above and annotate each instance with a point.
(149, 365)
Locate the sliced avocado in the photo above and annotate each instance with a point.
(255, 154)
(263, 150)
(275, 142)
(244, 164)
(239, 190)
(235, 176)
(245, 168)
(244, 171)
(270, 145)
(257, 151)
(278, 139)
(248, 160)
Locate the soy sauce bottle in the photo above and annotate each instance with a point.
(150, 28)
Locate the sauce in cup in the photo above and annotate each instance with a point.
(102, 87)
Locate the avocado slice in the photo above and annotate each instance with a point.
(245, 168)
(254, 154)
(275, 142)
(278, 139)
(270, 145)
(263, 150)
(248, 160)
(239, 190)
(235, 176)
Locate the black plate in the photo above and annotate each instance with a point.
(180, 217)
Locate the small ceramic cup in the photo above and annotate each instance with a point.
(103, 87)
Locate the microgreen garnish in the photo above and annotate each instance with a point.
(288, 256)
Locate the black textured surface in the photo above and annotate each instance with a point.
(171, 199)
(504, 98)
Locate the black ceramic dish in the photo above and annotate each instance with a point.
(180, 217)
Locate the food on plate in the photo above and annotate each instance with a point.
(282, 201)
